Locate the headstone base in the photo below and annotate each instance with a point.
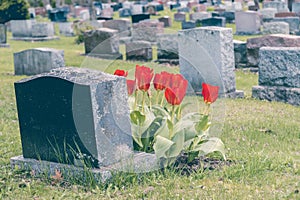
(281, 94)
(140, 163)
(35, 38)
(116, 56)
(4, 45)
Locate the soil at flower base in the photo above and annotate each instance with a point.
(203, 163)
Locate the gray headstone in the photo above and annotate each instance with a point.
(247, 22)
(206, 55)
(166, 20)
(43, 29)
(276, 28)
(279, 5)
(74, 115)
(66, 28)
(183, 9)
(268, 13)
(276, 40)
(188, 25)
(214, 21)
(38, 60)
(240, 53)
(296, 8)
(279, 75)
(293, 22)
(147, 30)
(200, 15)
(180, 17)
(123, 26)
(2, 34)
(167, 48)
(103, 43)
(22, 28)
(139, 50)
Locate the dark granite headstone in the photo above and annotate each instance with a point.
(58, 15)
(124, 12)
(139, 17)
(74, 115)
(188, 25)
(166, 20)
(139, 50)
(214, 21)
(172, 6)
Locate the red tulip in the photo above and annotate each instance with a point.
(161, 80)
(209, 93)
(120, 72)
(130, 86)
(175, 95)
(175, 80)
(143, 76)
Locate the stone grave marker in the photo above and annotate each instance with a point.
(276, 40)
(147, 30)
(139, 17)
(125, 12)
(43, 29)
(214, 21)
(166, 20)
(275, 28)
(167, 48)
(139, 51)
(200, 8)
(247, 22)
(66, 29)
(188, 25)
(268, 14)
(3, 36)
(279, 73)
(200, 15)
(279, 5)
(240, 53)
(180, 17)
(206, 55)
(87, 123)
(293, 22)
(38, 60)
(102, 43)
(183, 9)
(136, 9)
(296, 8)
(22, 28)
(123, 26)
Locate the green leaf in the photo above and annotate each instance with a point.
(161, 146)
(211, 145)
(160, 111)
(203, 124)
(137, 117)
(177, 147)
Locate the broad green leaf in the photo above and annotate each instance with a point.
(137, 117)
(160, 111)
(161, 146)
(177, 147)
(211, 145)
(203, 124)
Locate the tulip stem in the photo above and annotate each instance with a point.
(172, 118)
(157, 96)
(162, 100)
(135, 99)
(143, 101)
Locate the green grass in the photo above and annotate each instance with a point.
(261, 137)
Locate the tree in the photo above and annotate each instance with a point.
(13, 10)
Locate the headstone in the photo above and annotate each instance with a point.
(276, 28)
(139, 51)
(200, 8)
(214, 21)
(3, 36)
(174, 5)
(166, 20)
(22, 28)
(188, 25)
(167, 48)
(240, 53)
(192, 4)
(180, 17)
(66, 29)
(139, 17)
(107, 12)
(293, 22)
(102, 43)
(32, 14)
(125, 12)
(206, 54)
(277, 40)
(247, 22)
(40, 11)
(123, 26)
(200, 15)
(86, 120)
(58, 15)
(183, 9)
(136, 9)
(147, 30)
(228, 15)
(279, 5)
(151, 9)
(268, 13)
(38, 60)
(43, 29)
(285, 14)
(296, 8)
(279, 72)
(84, 15)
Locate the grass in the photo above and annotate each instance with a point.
(261, 137)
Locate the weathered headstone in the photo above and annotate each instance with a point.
(268, 13)
(293, 22)
(228, 15)
(102, 43)
(240, 53)
(139, 17)
(296, 8)
(214, 21)
(43, 29)
(247, 22)
(125, 12)
(138, 50)
(66, 28)
(123, 26)
(166, 20)
(167, 48)
(200, 15)
(277, 40)
(38, 60)
(3, 36)
(22, 28)
(279, 5)
(183, 9)
(275, 28)
(279, 73)
(147, 30)
(206, 55)
(188, 25)
(180, 17)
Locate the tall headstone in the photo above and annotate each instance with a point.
(38, 60)
(247, 22)
(206, 55)
(139, 50)
(74, 116)
(3, 36)
(102, 43)
(279, 73)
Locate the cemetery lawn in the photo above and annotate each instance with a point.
(262, 140)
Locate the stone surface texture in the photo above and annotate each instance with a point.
(206, 55)
(123, 26)
(276, 28)
(275, 40)
(240, 53)
(38, 60)
(147, 30)
(247, 22)
(43, 29)
(293, 22)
